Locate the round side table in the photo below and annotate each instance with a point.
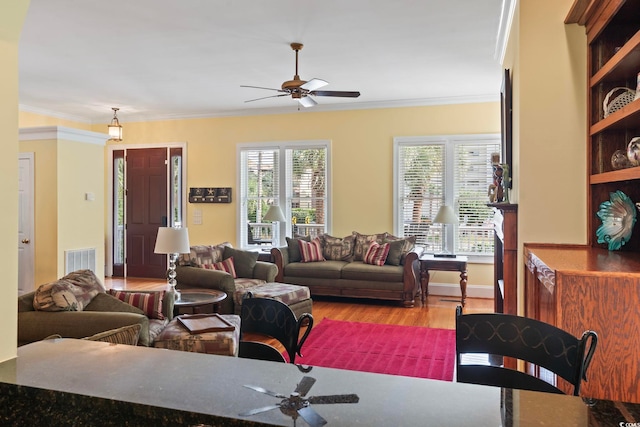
(196, 301)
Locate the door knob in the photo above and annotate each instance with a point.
(25, 240)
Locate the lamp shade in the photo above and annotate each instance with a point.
(172, 241)
(274, 214)
(446, 215)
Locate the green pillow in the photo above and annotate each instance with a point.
(294, 248)
(244, 261)
(395, 252)
(106, 302)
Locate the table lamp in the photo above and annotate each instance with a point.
(445, 216)
(274, 214)
(172, 241)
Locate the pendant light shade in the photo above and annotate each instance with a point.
(115, 129)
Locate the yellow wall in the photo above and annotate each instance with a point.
(65, 170)
(548, 59)
(34, 119)
(11, 20)
(80, 221)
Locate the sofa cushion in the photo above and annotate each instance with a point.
(358, 270)
(125, 335)
(311, 251)
(362, 242)
(320, 270)
(227, 266)
(376, 254)
(399, 247)
(338, 249)
(203, 254)
(149, 302)
(244, 261)
(294, 247)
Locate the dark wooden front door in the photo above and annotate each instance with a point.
(146, 206)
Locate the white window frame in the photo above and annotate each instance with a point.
(285, 196)
(449, 142)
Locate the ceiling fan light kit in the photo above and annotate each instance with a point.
(301, 89)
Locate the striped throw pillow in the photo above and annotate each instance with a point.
(126, 335)
(311, 251)
(227, 266)
(149, 302)
(376, 254)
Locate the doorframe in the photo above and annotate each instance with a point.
(108, 268)
(30, 157)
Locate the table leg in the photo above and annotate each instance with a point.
(463, 287)
(424, 284)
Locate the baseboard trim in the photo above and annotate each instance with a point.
(449, 289)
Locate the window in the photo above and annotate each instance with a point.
(291, 175)
(453, 170)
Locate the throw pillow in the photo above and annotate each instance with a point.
(294, 247)
(107, 302)
(125, 335)
(363, 241)
(338, 249)
(226, 266)
(399, 248)
(244, 261)
(149, 302)
(376, 254)
(311, 251)
(56, 296)
(203, 254)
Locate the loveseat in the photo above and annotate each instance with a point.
(226, 269)
(340, 266)
(102, 312)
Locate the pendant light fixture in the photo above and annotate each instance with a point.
(115, 129)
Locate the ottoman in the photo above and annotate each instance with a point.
(176, 337)
(297, 297)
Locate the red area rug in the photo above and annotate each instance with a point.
(411, 351)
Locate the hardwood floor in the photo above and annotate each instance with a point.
(439, 311)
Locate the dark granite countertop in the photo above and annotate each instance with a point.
(75, 382)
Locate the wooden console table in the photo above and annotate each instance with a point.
(430, 262)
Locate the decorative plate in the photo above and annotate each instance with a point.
(618, 216)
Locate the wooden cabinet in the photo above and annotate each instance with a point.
(505, 273)
(613, 37)
(578, 288)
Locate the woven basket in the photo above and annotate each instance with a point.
(612, 105)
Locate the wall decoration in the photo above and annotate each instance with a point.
(506, 115)
(210, 195)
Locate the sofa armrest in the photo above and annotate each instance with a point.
(266, 271)
(196, 277)
(37, 325)
(280, 258)
(411, 277)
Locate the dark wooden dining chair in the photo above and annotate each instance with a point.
(259, 350)
(273, 318)
(538, 343)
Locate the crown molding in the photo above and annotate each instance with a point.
(61, 132)
(54, 114)
(504, 28)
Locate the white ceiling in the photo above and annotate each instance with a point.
(157, 59)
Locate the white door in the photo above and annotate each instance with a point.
(26, 271)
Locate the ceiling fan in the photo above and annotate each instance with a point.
(297, 404)
(301, 89)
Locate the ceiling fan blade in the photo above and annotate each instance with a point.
(307, 101)
(336, 398)
(265, 97)
(260, 87)
(311, 417)
(265, 391)
(314, 84)
(259, 410)
(305, 385)
(345, 94)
